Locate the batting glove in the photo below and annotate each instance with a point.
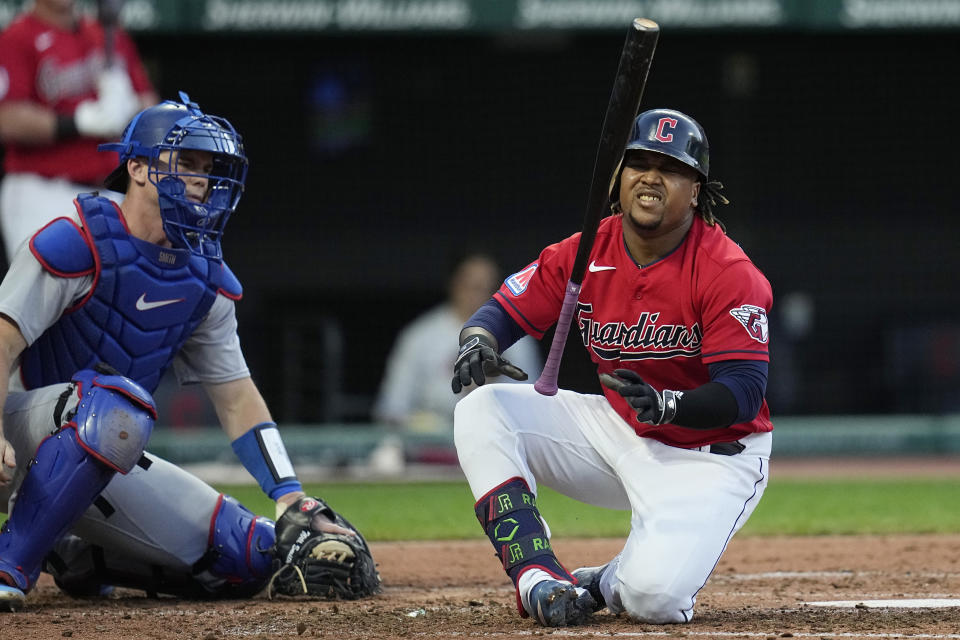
(478, 358)
(116, 103)
(652, 406)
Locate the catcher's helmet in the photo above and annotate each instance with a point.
(674, 134)
(167, 128)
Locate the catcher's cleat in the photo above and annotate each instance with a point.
(589, 579)
(11, 598)
(559, 604)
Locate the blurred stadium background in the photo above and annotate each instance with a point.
(384, 135)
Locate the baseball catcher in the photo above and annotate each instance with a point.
(316, 558)
(98, 510)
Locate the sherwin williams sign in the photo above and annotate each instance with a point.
(240, 16)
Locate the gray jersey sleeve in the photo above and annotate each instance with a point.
(34, 298)
(212, 353)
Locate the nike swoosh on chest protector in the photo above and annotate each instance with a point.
(143, 305)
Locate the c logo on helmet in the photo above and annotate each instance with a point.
(664, 122)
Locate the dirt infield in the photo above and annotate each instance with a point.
(457, 590)
(760, 589)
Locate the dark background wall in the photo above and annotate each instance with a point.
(373, 159)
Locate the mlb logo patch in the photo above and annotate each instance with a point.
(517, 283)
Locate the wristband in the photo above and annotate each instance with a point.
(66, 127)
(262, 453)
(670, 405)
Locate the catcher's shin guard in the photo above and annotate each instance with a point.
(62, 482)
(82, 570)
(239, 561)
(110, 424)
(236, 566)
(509, 516)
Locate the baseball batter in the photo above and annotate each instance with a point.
(674, 315)
(58, 99)
(93, 310)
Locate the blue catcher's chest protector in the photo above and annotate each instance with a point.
(145, 301)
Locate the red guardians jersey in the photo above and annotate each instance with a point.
(704, 302)
(58, 68)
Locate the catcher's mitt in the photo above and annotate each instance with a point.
(311, 562)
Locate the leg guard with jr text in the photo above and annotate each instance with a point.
(107, 429)
(509, 516)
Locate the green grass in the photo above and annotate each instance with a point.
(444, 510)
(855, 506)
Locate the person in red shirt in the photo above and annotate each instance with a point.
(65, 86)
(674, 315)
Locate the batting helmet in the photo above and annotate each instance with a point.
(164, 130)
(674, 134)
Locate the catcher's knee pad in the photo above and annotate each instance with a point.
(113, 418)
(509, 516)
(62, 480)
(240, 556)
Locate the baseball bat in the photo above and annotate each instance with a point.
(108, 15)
(621, 111)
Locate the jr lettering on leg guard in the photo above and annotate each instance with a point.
(509, 516)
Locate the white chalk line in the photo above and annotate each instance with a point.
(899, 595)
(828, 574)
(895, 603)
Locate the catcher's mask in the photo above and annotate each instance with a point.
(165, 130)
(671, 133)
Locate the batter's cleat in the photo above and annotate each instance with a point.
(560, 604)
(589, 579)
(11, 598)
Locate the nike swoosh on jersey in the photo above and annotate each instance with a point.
(143, 305)
(594, 268)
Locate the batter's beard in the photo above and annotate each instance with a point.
(644, 226)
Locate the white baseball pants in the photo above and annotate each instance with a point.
(685, 504)
(29, 201)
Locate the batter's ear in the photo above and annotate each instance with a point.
(696, 192)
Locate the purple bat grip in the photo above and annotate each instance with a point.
(547, 382)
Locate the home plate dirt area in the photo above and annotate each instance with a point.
(764, 587)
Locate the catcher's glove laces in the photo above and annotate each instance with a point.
(271, 590)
